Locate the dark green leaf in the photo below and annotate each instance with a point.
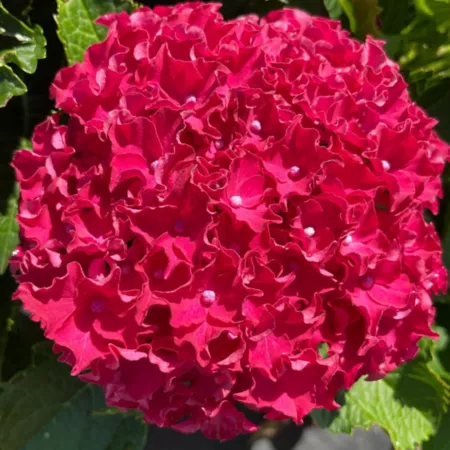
(440, 110)
(27, 44)
(20, 45)
(441, 441)
(46, 408)
(363, 15)
(312, 6)
(334, 8)
(76, 27)
(395, 16)
(31, 400)
(8, 232)
(10, 85)
(322, 417)
(130, 435)
(440, 353)
(8, 313)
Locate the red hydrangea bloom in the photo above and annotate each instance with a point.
(223, 199)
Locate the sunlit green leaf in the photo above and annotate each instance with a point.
(76, 27)
(334, 8)
(408, 404)
(9, 230)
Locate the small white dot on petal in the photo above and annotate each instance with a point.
(348, 239)
(256, 126)
(385, 164)
(155, 164)
(15, 252)
(208, 297)
(190, 98)
(294, 172)
(310, 231)
(236, 201)
(219, 144)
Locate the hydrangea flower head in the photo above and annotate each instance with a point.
(218, 201)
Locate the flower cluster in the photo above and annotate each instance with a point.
(230, 212)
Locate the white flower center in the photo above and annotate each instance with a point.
(294, 172)
(348, 239)
(255, 126)
(155, 165)
(208, 297)
(385, 164)
(219, 144)
(236, 201)
(310, 231)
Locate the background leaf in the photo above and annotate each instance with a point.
(46, 408)
(363, 16)
(9, 229)
(10, 85)
(374, 403)
(441, 441)
(76, 27)
(409, 404)
(20, 45)
(334, 8)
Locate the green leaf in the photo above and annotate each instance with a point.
(31, 400)
(441, 440)
(9, 238)
(8, 314)
(130, 435)
(409, 403)
(424, 50)
(10, 85)
(440, 356)
(76, 27)
(374, 403)
(395, 16)
(18, 7)
(334, 8)
(22, 46)
(322, 417)
(362, 15)
(46, 408)
(436, 354)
